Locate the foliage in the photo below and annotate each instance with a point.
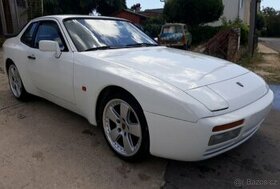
(201, 34)
(105, 7)
(35, 8)
(272, 22)
(269, 11)
(260, 22)
(153, 25)
(193, 12)
(244, 29)
(136, 7)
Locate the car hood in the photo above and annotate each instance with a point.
(182, 69)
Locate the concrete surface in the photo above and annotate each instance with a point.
(273, 43)
(265, 50)
(44, 146)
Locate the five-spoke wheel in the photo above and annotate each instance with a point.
(125, 127)
(15, 83)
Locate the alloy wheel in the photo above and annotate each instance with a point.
(122, 127)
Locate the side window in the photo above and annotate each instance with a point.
(49, 31)
(27, 36)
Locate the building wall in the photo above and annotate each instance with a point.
(1, 30)
(14, 15)
(234, 9)
(246, 14)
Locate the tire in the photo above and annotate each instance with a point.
(124, 126)
(16, 84)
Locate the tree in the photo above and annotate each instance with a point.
(105, 7)
(193, 12)
(136, 7)
(108, 7)
(269, 11)
(153, 25)
(272, 22)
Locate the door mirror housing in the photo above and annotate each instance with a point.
(50, 46)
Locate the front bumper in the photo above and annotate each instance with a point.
(180, 140)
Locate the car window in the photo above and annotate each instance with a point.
(172, 29)
(93, 33)
(49, 31)
(27, 36)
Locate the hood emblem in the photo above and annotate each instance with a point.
(240, 84)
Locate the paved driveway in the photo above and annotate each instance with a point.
(273, 43)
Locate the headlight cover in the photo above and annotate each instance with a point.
(209, 98)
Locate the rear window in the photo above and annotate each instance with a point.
(172, 29)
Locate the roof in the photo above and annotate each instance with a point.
(160, 11)
(131, 12)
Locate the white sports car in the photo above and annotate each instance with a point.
(148, 98)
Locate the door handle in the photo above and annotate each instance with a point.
(32, 57)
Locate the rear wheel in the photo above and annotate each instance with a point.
(125, 127)
(16, 84)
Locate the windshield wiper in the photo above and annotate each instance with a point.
(99, 48)
(141, 45)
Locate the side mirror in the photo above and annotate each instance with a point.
(50, 46)
(156, 39)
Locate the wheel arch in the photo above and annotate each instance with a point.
(110, 90)
(8, 62)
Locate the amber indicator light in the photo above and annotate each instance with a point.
(228, 126)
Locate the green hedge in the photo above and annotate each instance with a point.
(238, 24)
(153, 25)
(201, 34)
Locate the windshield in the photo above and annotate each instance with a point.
(92, 34)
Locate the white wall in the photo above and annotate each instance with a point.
(235, 9)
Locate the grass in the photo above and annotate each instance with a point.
(265, 65)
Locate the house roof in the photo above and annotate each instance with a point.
(159, 11)
(131, 12)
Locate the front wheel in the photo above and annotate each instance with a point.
(125, 127)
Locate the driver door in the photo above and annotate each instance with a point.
(50, 75)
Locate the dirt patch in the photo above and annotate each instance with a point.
(268, 68)
(265, 63)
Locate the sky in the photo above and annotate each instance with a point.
(146, 4)
(150, 4)
(271, 3)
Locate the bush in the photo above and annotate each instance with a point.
(193, 12)
(202, 34)
(238, 24)
(152, 26)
